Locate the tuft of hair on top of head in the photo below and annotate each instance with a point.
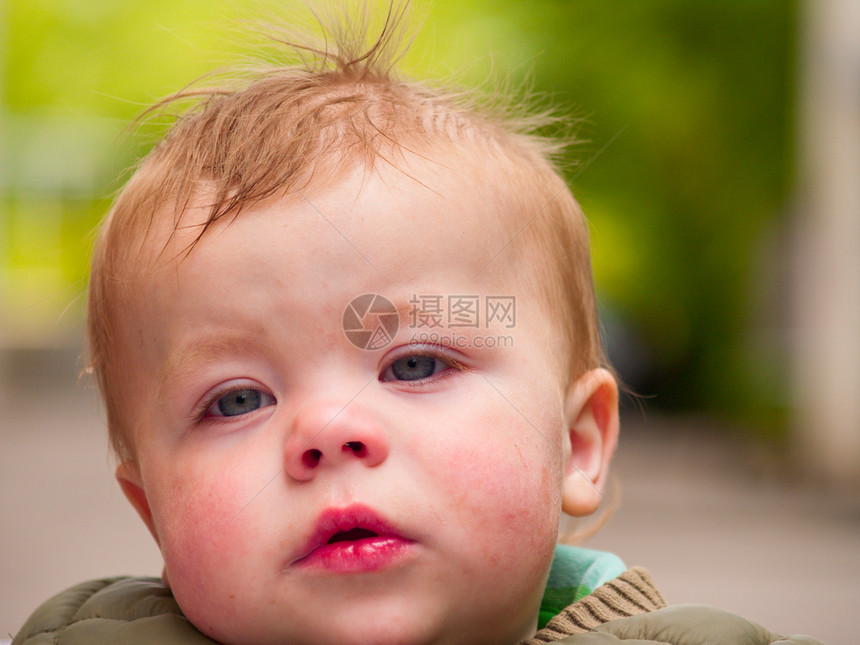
(314, 100)
(344, 42)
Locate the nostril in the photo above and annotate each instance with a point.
(311, 458)
(357, 447)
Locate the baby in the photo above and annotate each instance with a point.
(345, 330)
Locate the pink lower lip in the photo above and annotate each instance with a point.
(357, 556)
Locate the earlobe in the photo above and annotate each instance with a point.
(131, 483)
(591, 417)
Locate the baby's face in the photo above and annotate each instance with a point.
(305, 490)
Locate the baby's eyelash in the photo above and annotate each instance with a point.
(423, 352)
(430, 353)
(201, 411)
(203, 408)
(453, 362)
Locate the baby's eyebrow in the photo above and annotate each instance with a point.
(409, 312)
(205, 351)
(405, 312)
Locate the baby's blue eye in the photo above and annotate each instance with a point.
(413, 368)
(241, 401)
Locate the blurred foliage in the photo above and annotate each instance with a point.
(683, 204)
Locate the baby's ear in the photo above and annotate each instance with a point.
(591, 417)
(131, 483)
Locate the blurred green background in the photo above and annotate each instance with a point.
(688, 205)
(735, 151)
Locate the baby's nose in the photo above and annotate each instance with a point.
(329, 435)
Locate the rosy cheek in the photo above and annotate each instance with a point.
(501, 511)
(511, 487)
(199, 538)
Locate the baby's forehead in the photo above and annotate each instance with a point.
(394, 232)
(473, 193)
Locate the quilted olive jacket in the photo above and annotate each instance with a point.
(625, 611)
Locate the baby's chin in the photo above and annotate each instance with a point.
(324, 631)
(391, 635)
(395, 623)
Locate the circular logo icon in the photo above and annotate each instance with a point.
(370, 321)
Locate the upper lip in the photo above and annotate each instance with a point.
(335, 522)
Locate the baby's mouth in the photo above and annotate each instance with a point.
(351, 540)
(351, 535)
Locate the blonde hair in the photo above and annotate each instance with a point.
(281, 127)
